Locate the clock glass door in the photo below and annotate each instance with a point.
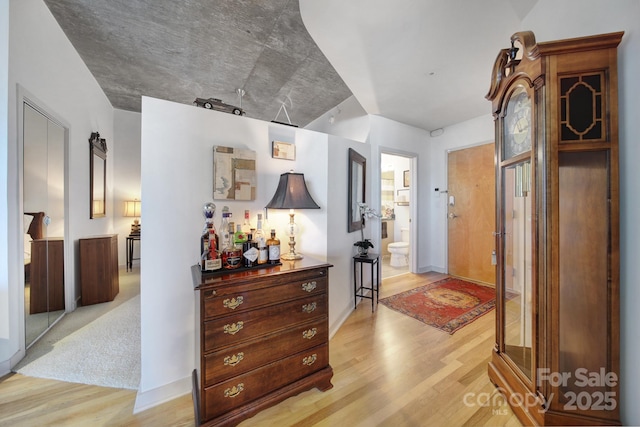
(517, 123)
(516, 265)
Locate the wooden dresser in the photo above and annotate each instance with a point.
(47, 275)
(262, 336)
(99, 280)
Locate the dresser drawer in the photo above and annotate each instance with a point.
(229, 330)
(237, 360)
(245, 388)
(225, 301)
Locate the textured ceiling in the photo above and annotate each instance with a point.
(426, 63)
(181, 50)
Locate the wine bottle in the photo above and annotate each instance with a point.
(261, 242)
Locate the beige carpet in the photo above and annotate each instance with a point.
(97, 344)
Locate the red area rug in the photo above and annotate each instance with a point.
(448, 304)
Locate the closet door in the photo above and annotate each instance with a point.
(44, 211)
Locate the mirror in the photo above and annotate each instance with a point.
(357, 174)
(43, 194)
(98, 176)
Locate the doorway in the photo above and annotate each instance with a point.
(395, 200)
(43, 203)
(471, 213)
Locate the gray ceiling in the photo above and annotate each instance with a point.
(426, 63)
(180, 50)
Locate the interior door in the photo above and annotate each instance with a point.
(471, 213)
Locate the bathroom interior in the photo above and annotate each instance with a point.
(394, 197)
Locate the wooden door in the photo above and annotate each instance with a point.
(471, 213)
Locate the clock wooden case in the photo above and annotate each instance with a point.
(556, 357)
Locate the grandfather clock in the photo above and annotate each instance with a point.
(556, 357)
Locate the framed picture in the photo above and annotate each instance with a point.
(283, 150)
(405, 178)
(234, 174)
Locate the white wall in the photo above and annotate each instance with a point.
(44, 65)
(177, 176)
(5, 331)
(348, 120)
(466, 134)
(392, 137)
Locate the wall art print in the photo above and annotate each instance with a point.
(234, 173)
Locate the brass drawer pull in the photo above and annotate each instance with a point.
(309, 286)
(308, 334)
(210, 293)
(234, 391)
(233, 303)
(309, 308)
(233, 360)
(310, 360)
(233, 328)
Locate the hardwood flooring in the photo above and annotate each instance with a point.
(389, 370)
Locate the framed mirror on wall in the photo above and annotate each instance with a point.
(97, 176)
(357, 175)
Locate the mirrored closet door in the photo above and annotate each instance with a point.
(44, 211)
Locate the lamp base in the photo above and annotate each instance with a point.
(291, 256)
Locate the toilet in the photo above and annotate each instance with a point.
(400, 250)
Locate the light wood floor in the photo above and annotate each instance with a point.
(389, 370)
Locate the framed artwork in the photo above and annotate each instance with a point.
(283, 150)
(405, 178)
(234, 173)
(356, 189)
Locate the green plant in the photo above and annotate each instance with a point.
(364, 244)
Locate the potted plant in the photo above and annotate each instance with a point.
(364, 244)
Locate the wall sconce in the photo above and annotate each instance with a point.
(132, 209)
(292, 193)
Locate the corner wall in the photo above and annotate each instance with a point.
(177, 177)
(43, 63)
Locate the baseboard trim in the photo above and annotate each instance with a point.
(157, 396)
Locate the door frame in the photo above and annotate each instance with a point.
(413, 197)
(25, 97)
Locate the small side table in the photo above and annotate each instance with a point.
(130, 239)
(358, 286)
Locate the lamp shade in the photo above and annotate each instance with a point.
(292, 193)
(132, 208)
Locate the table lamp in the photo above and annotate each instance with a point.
(132, 210)
(292, 194)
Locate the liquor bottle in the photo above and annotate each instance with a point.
(239, 237)
(249, 252)
(209, 242)
(246, 225)
(231, 255)
(273, 247)
(223, 234)
(261, 242)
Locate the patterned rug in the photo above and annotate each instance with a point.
(448, 304)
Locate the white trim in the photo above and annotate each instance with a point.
(157, 396)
